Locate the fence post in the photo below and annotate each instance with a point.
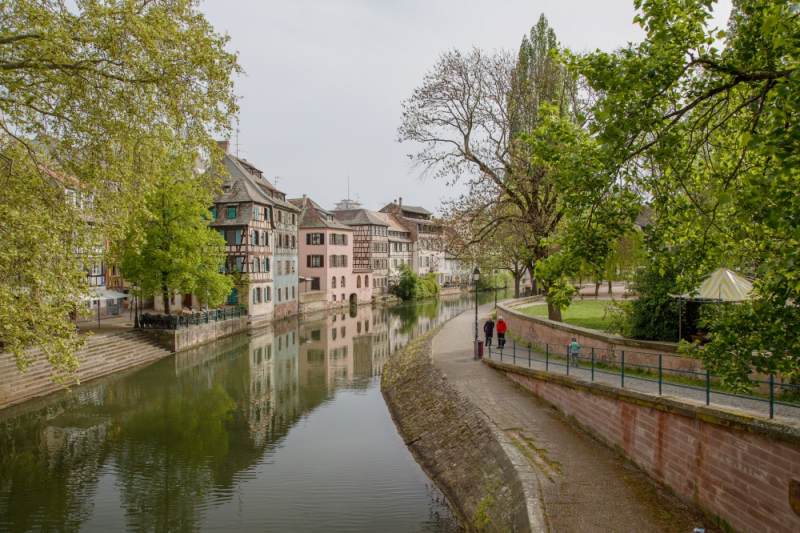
(622, 385)
(547, 356)
(514, 350)
(659, 373)
(708, 387)
(592, 363)
(771, 396)
(529, 355)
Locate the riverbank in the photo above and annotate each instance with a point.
(570, 481)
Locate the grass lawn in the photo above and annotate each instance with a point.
(582, 313)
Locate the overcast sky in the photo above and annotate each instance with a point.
(325, 79)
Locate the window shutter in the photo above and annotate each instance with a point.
(322, 261)
(345, 239)
(322, 238)
(238, 236)
(239, 264)
(308, 261)
(308, 238)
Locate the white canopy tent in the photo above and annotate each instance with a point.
(722, 285)
(101, 293)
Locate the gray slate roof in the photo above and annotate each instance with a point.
(359, 217)
(313, 216)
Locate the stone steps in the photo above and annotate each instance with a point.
(102, 355)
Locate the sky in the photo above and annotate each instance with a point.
(325, 79)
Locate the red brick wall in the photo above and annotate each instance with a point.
(733, 466)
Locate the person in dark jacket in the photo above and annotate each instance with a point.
(488, 331)
(502, 327)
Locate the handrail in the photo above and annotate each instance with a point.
(175, 322)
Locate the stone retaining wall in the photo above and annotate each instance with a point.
(453, 442)
(181, 339)
(741, 469)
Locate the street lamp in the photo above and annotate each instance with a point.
(495, 288)
(476, 275)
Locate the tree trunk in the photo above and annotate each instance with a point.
(517, 280)
(166, 297)
(610, 290)
(553, 313)
(534, 287)
(596, 289)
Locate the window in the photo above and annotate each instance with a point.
(256, 212)
(238, 264)
(278, 263)
(315, 261)
(231, 212)
(253, 264)
(279, 294)
(266, 264)
(293, 297)
(342, 285)
(294, 221)
(333, 282)
(267, 213)
(293, 266)
(254, 238)
(294, 242)
(286, 293)
(269, 293)
(287, 267)
(315, 238)
(214, 213)
(366, 281)
(334, 301)
(358, 282)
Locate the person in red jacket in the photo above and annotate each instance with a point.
(502, 327)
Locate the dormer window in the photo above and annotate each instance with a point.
(231, 211)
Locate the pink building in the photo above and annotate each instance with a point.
(326, 257)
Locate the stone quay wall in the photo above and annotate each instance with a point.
(607, 347)
(742, 470)
(180, 339)
(453, 441)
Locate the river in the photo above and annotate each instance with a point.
(280, 429)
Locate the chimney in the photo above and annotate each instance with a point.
(224, 145)
(401, 202)
(304, 200)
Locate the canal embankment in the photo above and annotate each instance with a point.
(456, 444)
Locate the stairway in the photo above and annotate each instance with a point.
(102, 355)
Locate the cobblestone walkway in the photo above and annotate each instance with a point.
(585, 486)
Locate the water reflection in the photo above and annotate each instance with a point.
(282, 428)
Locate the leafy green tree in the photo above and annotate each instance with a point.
(408, 288)
(173, 249)
(703, 123)
(90, 91)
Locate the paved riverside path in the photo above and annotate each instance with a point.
(585, 486)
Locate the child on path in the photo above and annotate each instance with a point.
(502, 327)
(574, 351)
(488, 331)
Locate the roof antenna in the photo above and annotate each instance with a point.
(237, 142)
(276, 181)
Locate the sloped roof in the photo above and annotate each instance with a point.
(416, 209)
(359, 217)
(394, 224)
(313, 216)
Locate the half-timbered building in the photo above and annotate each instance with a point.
(427, 235)
(370, 244)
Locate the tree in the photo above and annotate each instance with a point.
(90, 93)
(176, 250)
(408, 288)
(702, 121)
(470, 115)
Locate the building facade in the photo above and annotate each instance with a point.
(370, 245)
(327, 258)
(427, 236)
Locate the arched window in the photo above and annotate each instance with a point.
(358, 282)
(342, 285)
(333, 282)
(366, 281)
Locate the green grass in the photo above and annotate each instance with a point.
(582, 313)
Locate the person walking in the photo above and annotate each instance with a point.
(574, 351)
(488, 331)
(502, 327)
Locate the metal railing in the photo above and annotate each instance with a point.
(654, 373)
(174, 322)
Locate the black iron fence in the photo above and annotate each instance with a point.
(653, 373)
(153, 321)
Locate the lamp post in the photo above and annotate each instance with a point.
(495, 288)
(476, 275)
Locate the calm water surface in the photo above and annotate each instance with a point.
(281, 429)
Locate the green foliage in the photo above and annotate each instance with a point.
(408, 288)
(653, 315)
(429, 287)
(704, 123)
(490, 281)
(173, 249)
(92, 92)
